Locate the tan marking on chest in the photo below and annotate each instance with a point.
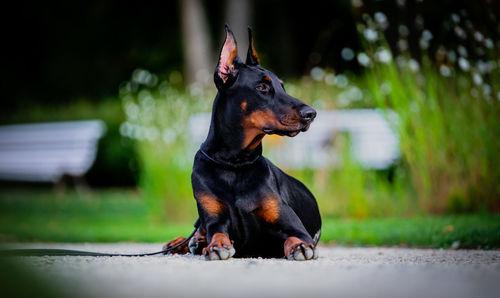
(210, 204)
(269, 210)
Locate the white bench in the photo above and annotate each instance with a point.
(374, 143)
(45, 152)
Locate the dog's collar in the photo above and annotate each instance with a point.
(228, 164)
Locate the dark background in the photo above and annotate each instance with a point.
(58, 51)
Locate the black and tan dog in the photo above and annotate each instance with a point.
(247, 206)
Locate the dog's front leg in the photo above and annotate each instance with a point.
(215, 219)
(298, 244)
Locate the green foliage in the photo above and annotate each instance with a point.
(352, 191)
(447, 110)
(448, 137)
(448, 121)
(166, 182)
(157, 118)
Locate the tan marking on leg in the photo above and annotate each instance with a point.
(220, 239)
(270, 209)
(182, 249)
(210, 204)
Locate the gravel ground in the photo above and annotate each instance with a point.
(339, 272)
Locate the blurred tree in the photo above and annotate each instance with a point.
(239, 17)
(196, 43)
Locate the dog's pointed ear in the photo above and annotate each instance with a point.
(252, 58)
(226, 70)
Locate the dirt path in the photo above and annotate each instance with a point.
(339, 272)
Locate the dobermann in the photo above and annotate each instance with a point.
(247, 206)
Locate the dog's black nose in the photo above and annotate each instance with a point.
(307, 113)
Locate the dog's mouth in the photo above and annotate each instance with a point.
(290, 131)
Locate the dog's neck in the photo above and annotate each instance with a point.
(225, 139)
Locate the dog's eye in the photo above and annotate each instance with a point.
(262, 87)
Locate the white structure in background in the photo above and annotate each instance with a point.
(45, 152)
(374, 143)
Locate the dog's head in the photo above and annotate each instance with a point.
(257, 94)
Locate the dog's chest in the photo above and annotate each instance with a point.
(248, 192)
(262, 202)
(251, 201)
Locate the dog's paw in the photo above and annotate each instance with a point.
(302, 252)
(197, 243)
(298, 250)
(181, 249)
(219, 249)
(213, 253)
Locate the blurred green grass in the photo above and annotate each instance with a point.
(97, 216)
(122, 215)
(465, 231)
